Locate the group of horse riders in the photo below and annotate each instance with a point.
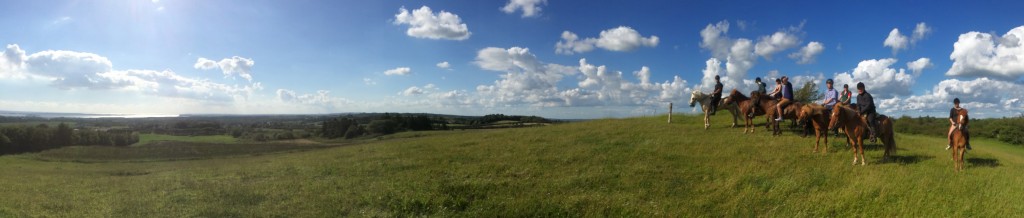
(865, 105)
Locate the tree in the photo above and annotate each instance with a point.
(63, 136)
(808, 94)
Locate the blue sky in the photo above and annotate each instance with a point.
(565, 59)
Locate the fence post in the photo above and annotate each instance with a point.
(670, 112)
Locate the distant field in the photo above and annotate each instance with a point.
(638, 167)
(145, 139)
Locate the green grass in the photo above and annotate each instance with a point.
(619, 167)
(145, 139)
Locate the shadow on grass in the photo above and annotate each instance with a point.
(982, 162)
(907, 159)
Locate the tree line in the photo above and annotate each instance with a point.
(22, 138)
(1007, 130)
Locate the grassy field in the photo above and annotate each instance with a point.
(145, 139)
(617, 167)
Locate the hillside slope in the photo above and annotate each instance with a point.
(614, 167)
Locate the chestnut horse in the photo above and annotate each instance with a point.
(788, 113)
(887, 135)
(854, 126)
(816, 115)
(959, 142)
(705, 106)
(745, 107)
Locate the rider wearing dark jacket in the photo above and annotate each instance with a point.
(866, 107)
(716, 95)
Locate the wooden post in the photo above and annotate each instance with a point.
(670, 112)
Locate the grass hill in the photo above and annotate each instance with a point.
(614, 167)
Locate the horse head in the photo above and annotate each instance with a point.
(804, 113)
(695, 96)
(837, 112)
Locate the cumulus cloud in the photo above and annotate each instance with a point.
(776, 42)
(444, 65)
(70, 69)
(713, 38)
(321, 98)
(528, 81)
(530, 8)
(234, 66)
(977, 54)
(412, 91)
(83, 70)
(919, 65)
(621, 38)
(896, 41)
(424, 23)
(807, 53)
(880, 79)
(401, 71)
(741, 54)
(996, 97)
(920, 32)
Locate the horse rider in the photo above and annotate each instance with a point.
(760, 86)
(775, 94)
(787, 97)
(844, 96)
(953, 112)
(716, 95)
(830, 99)
(866, 107)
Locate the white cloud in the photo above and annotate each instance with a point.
(444, 65)
(920, 31)
(231, 67)
(531, 8)
(12, 62)
(896, 41)
(401, 71)
(423, 23)
(777, 42)
(70, 69)
(919, 65)
(982, 95)
(322, 98)
(412, 91)
(713, 38)
(879, 79)
(807, 53)
(986, 55)
(741, 54)
(621, 38)
(82, 70)
(369, 81)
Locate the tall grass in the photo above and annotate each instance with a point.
(614, 167)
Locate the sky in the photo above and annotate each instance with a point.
(552, 58)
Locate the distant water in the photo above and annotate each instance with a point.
(80, 115)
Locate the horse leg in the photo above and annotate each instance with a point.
(860, 148)
(824, 150)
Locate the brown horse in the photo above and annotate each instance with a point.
(959, 142)
(788, 113)
(887, 135)
(745, 106)
(816, 115)
(854, 126)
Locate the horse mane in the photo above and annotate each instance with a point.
(737, 96)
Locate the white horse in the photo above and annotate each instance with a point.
(705, 105)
